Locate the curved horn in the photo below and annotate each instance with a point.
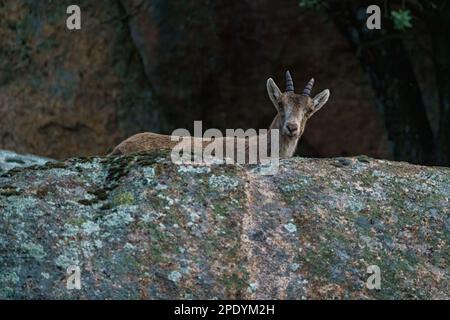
(289, 82)
(308, 87)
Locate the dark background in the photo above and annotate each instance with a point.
(157, 65)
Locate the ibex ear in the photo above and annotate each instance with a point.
(273, 92)
(320, 99)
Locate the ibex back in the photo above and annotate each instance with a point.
(293, 110)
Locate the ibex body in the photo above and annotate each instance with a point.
(293, 110)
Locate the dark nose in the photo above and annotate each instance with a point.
(292, 128)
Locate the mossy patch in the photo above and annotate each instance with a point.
(123, 199)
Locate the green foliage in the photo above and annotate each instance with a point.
(310, 4)
(402, 19)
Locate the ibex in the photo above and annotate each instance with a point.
(293, 110)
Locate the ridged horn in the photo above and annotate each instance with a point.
(289, 82)
(308, 87)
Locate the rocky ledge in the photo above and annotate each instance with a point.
(10, 160)
(141, 227)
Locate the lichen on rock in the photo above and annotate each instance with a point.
(141, 227)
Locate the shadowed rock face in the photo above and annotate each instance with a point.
(156, 66)
(141, 227)
(65, 93)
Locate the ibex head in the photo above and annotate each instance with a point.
(295, 109)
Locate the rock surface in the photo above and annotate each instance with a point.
(66, 93)
(10, 160)
(140, 227)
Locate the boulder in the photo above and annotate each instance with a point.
(141, 227)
